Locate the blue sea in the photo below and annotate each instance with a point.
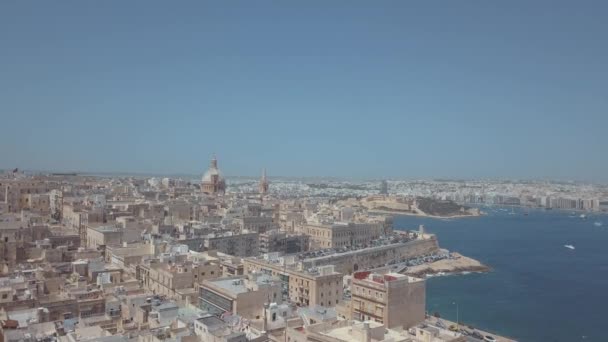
(538, 289)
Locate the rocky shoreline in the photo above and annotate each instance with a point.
(420, 214)
(455, 265)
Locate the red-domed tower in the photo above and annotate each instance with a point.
(213, 182)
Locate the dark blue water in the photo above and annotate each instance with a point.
(538, 289)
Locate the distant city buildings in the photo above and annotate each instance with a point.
(384, 187)
(86, 258)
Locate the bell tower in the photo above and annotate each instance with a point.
(263, 188)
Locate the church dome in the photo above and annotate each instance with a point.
(213, 182)
(209, 175)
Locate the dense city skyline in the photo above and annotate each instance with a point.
(121, 258)
(303, 171)
(238, 178)
(396, 90)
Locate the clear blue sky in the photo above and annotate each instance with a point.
(317, 88)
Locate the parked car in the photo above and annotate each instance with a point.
(477, 335)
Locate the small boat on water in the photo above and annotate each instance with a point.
(569, 246)
(598, 224)
(583, 216)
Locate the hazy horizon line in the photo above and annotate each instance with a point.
(335, 178)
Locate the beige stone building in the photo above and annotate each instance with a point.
(394, 300)
(328, 330)
(164, 279)
(279, 241)
(290, 218)
(212, 329)
(90, 301)
(243, 245)
(77, 216)
(124, 256)
(38, 203)
(344, 331)
(375, 256)
(317, 286)
(258, 224)
(103, 236)
(6, 294)
(241, 295)
(170, 279)
(15, 192)
(342, 234)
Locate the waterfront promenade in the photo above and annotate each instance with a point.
(473, 335)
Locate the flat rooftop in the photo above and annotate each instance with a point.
(211, 322)
(233, 286)
(237, 286)
(106, 229)
(346, 333)
(381, 279)
(319, 313)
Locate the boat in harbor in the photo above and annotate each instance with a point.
(583, 216)
(569, 246)
(598, 224)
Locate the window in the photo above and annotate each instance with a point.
(4, 296)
